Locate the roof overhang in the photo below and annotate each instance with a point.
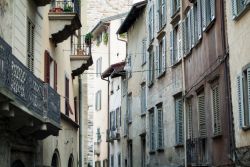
(115, 70)
(133, 14)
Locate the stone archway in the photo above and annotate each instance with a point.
(55, 162)
(17, 163)
(71, 161)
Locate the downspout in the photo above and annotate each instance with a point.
(80, 120)
(228, 85)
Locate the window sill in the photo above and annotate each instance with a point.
(151, 152)
(143, 63)
(246, 128)
(150, 84)
(160, 150)
(161, 75)
(209, 26)
(216, 136)
(150, 46)
(161, 32)
(242, 13)
(179, 145)
(175, 17)
(176, 63)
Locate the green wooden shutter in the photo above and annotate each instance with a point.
(172, 47)
(216, 111)
(213, 9)
(202, 116)
(164, 54)
(248, 92)
(199, 19)
(203, 16)
(240, 100)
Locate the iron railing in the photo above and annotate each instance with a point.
(197, 152)
(25, 88)
(66, 6)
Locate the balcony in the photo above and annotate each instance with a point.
(113, 135)
(64, 19)
(197, 152)
(97, 148)
(31, 106)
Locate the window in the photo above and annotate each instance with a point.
(98, 135)
(112, 120)
(98, 102)
(30, 45)
(129, 107)
(151, 68)
(143, 151)
(112, 87)
(98, 67)
(97, 164)
(152, 129)
(160, 60)
(189, 119)
(175, 44)
(67, 106)
(174, 7)
(99, 39)
(216, 111)
(112, 161)
(119, 157)
(144, 51)
(208, 12)
(151, 23)
(160, 127)
(129, 73)
(143, 98)
(179, 129)
(130, 154)
(202, 115)
(50, 70)
(118, 117)
(238, 6)
(243, 91)
(161, 11)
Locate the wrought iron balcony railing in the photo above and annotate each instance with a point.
(65, 6)
(197, 152)
(25, 88)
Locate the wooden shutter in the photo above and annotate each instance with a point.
(202, 115)
(179, 121)
(55, 75)
(163, 12)
(190, 120)
(204, 16)
(240, 101)
(30, 45)
(216, 111)
(213, 9)
(248, 93)
(157, 62)
(234, 9)
(189, 31)
(199, 19)
(67, 96)
(184, 36)
(152, 130)
(178, 4)
(158, 16)
(192, 27)
(164, 54)
(46, 67)
(179, 41)
(153, 21)
(171, 8)
(160, 127)
(172, 47)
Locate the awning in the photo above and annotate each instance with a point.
(115, 70)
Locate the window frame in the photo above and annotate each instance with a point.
(160, 127)
(152, 145)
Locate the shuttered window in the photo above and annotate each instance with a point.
(129, 74)
(175, 44)
(151, 23)
(238, 6)
(98, 100)
(30, 45)
(119, 157)
(98, 67)
(152, 129)
(67, 106)
(50, 70)
(129, 107)
(243, 91)
(179, 126)
(161, 57)
(144, 51)
(160, 135)
(189, 120)
(161, 13)
(143, 98)
(112, 161)
(118, 117)
(174, 7)
(208, 12)
(98, 135)
(216, 111)
(202, 115)
(151, 68)
(46, 67)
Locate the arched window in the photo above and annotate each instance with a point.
(17, 163)
(55, 159)
(71, 161)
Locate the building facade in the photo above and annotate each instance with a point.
(40, 98)
(237, 15)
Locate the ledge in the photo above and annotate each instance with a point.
(69, 120)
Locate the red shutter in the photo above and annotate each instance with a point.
(55, 75)
(46, 66)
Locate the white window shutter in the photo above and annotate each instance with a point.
(172, 47)
(240, 100)
(171, 8)
(199, 19)
(157, 54)
(248, 92)
(213, 9)
(204, 17)
(164, 54)
(180, 41)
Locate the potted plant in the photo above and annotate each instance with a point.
(68, 8)
(88, 38)
(105, 38)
